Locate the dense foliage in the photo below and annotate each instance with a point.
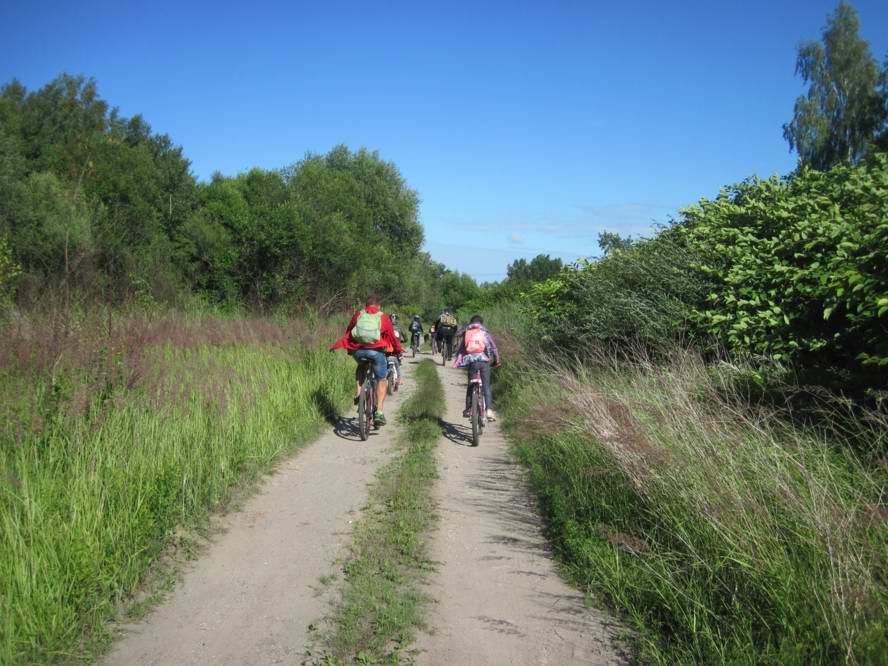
(795, 270)
(641, 293)
(94, 201)
(799, 269)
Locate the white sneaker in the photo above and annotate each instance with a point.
(491, 416)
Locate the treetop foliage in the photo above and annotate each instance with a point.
(844, 113)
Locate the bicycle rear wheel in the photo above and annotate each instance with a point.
(477, 424)
(364, 412)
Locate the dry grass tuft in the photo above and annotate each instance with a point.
(763, 539)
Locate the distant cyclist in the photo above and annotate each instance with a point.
(415, 332)
(368, 335)
(445, 329)
(433, 337)
(478, 350)
(397, 328)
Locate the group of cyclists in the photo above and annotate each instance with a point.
(376, 337)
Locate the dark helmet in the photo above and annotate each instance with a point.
(415, 317)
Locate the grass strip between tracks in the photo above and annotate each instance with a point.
(382, 601)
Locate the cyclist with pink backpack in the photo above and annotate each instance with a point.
(478, 351)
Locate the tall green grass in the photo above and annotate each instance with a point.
(723, 533)
(94, 486)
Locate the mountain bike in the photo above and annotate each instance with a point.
(367, 400)
(414, 343)
(478, 411)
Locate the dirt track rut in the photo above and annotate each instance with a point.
(251, 597)
(499, 598)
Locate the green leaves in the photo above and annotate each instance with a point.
(793, 269)
(803, 266)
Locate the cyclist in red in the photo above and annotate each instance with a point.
(368, 336)
(478, 349)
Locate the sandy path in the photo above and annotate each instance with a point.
(250, 598)
(500, 600)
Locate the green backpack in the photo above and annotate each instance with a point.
(368, 328)
(448, 320)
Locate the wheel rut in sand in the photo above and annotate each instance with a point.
(499, 597)
(250, 597)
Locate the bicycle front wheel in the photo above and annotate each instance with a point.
(476, 417)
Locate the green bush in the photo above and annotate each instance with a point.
(789, 270)
(9, 270)
(799, 269)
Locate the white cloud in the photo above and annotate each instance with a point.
(633, 218)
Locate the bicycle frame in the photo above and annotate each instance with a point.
(478, 408)
(478, 385)
(394, 374)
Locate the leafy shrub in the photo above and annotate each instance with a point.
(799, 269)
(790, 270)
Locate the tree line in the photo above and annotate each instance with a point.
(97, 203)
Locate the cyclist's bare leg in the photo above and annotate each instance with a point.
(381, 388)
(359, 379)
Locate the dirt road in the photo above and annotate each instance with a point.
(499, 598)
(252, 596)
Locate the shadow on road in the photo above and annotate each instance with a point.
(346, 427)
(502, 493)
(325, 406)
(458, 434)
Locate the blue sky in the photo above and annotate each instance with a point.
(525, 127)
